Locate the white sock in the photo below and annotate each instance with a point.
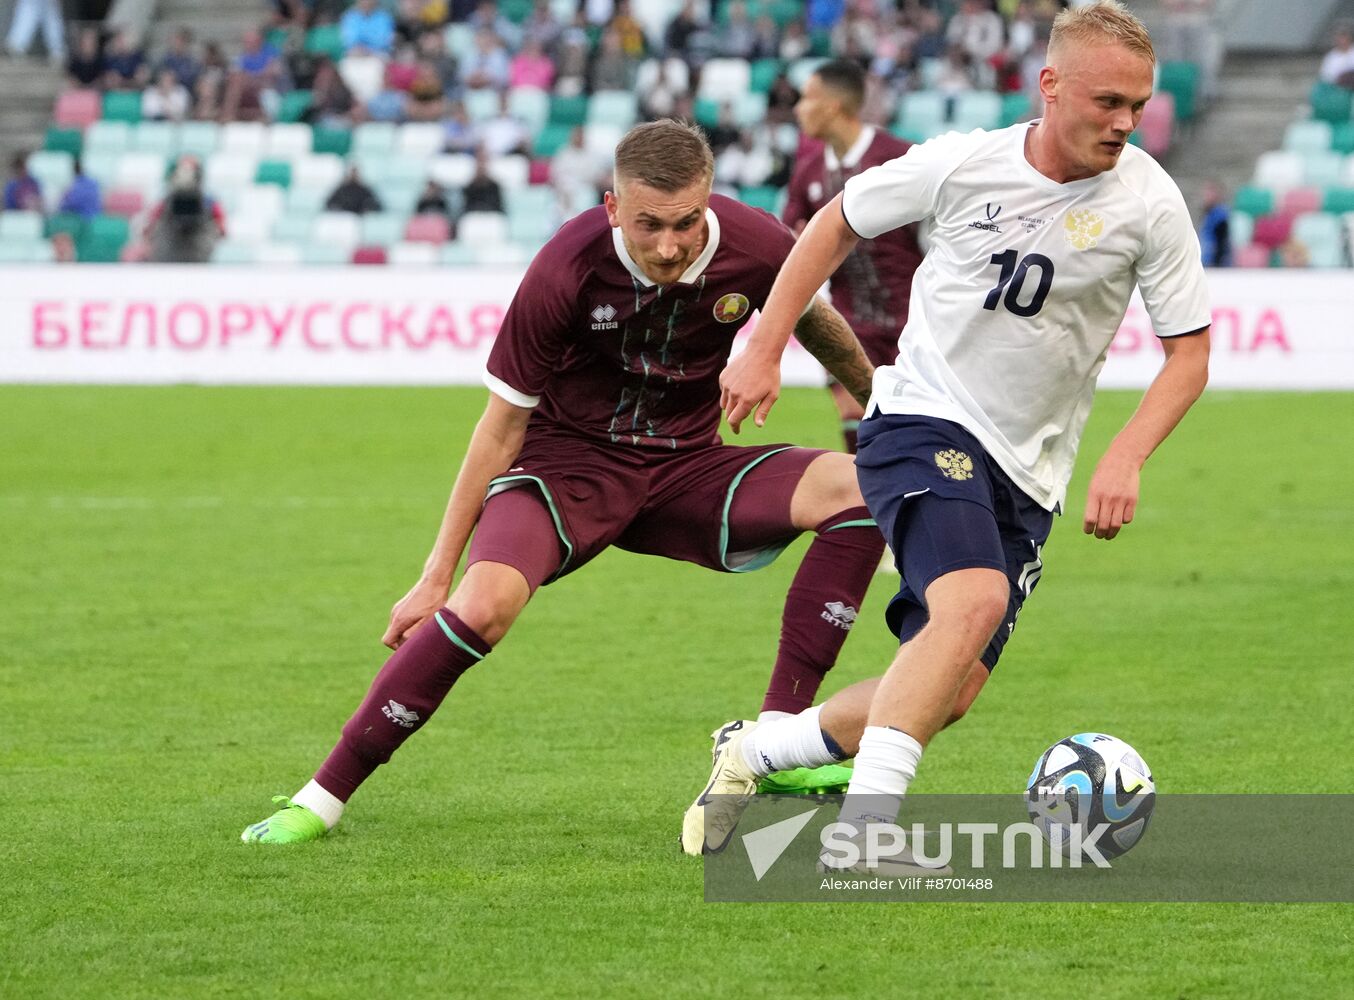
(773, 716)
(794, 741)
(320, 802)
(885, 766)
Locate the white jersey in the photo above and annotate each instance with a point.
(1023, 287)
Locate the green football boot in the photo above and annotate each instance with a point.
(830, 779)
(292, 824)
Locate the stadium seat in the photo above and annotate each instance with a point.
(160, 138)
(1278, 170)
(511, 171)
(1273, 230)
(199, 139)
(1321, 169)
(64, 140)
(601, 140)
(500, 254)
(724, 79)
(340, 228)
(307, 199)
(294, 105)
(414, 254)
(122, 106)
(287, 140)
(407, 167)
(456, 254)
(976, 109)
(249, 138)
(144, 172)
(325, 39)
(800, 70)
(26, 251)
(530, 105)
(320, 253)
(1347, 172)
(263, 200)
(1299, 200)
(338, 141)
(460, 40)
(53, 170)
(382, 229)
(551, 139)
(1240, 228)
(1330, 103)
(481, 103)
(292, 226)
(1016, 108)
(376, 138)
(252, 229)
(482, 228)
(126, 202)
(1157, 124)
(278, 253)
(77, 108)
(102, 239)
(763, 75)
(706, 111)
(452, 170)
(419, 139)
(232, 251)
(398, 194)
(765, 197)
(64, 222)
(1342, 138)
(431, 228)
(1181, 81)
(1252, 255)
(921, 113)
(1338, 200)
(370, 255)
(229, 171)
(16, 225)
(750, 109)
(568, 110)
(108, 137)
(613, 107)
(1321, 234)
(103, 167)
(1254, 200)
(1308, 137)
(276, 172)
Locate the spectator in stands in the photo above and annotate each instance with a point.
(781, 101)
(186, 225)
(725, 131)
(928, 26)
(571, 60)
(820, 16)
(765, 38)
(956, 75)
(124, 64)
(1338, 65)
(748, 162)
(488, 66)
(432, 49)
(414, 19)
(504, 133)
(532, 68)
(853, 37)
(482, 193)
(978, 30)
(613, 68)
(254, 84)
(574, 167)
(486, 17)
(629, 29)
(795, 42)
(458, 132)
(84, 68)
(82, 198)
(426, 100)
(542, 26)
(63, 248)
(366, 28)
(29, 15)
(181, 60)
(22, 193)
(331, 102)
(659, 83)
(211, 82)
(1294, 253)
(353, 195)
(1215, 239)
(168, 100)
(681, 29)
(433, 201)
(737, 37)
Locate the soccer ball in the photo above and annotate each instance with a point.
(1088, 780)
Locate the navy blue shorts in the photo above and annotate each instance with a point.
(943, 504)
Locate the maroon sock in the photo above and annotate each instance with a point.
(850, 429)
(821, 607)
(403, 696)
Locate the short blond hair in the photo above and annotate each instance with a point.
(667, 154)
(1098, 23)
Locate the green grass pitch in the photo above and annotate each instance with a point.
(193, 583)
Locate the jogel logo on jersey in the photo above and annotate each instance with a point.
(955, 464)
(1083, 228)
(732, 307)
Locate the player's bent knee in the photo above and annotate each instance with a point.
(489, 599)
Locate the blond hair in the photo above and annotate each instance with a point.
(1098, 23)
(667, 154)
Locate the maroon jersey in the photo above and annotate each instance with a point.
(872, 286)
(603, 352)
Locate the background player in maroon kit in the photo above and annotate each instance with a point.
(872, 286)
(602, 429)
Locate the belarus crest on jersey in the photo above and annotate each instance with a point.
(732, 307)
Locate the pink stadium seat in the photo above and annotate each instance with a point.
(123, 201)
(77, 108)
(539, 172)
(428, 229)
(369, 255)
(1272, 230)
(1251, 255)
(1300, 200)
(1157, 123)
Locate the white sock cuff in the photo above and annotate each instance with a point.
(890, 741)
(321, 802)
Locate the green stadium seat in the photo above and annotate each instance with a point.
(1015, 108)
(1338, 200)
(1320, 233)
(568, 110)
(63, 140)
(515, 11)
(199, 138)
(1342, 138)
(294, 105)
(122, 106)
(26, 252)
(532, 106)
(706, 111)
(65, 222)
(16, 225)
(766, 197)
(1308, 137)
(1181, 81)
(1322, 169)
(273, 172)
(325, 39)
(482, 103)
(103, 239)
(331, 140)
(1330, 103)
(552, 139)
(53, 169)
(1254, 201)
(764, 73)
(374, 138)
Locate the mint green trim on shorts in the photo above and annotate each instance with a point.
(865, 522)
(500, 484)
(759, 557)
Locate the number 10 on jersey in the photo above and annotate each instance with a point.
(1012, 279)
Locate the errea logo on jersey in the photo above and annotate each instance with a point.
(991, 224)
(604, 318)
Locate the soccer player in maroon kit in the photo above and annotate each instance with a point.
(602, 429)
(872, 287)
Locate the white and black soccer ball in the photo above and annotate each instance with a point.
(1088, 780)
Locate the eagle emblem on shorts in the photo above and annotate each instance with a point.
(1082, 228)
(955, 464)
(732, 307)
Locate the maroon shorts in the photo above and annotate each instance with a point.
(724, 507)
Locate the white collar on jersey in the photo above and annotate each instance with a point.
(853, 154)
(693, 272)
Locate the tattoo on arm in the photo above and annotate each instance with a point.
(826, 335)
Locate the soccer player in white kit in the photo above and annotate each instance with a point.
(1038, 235)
